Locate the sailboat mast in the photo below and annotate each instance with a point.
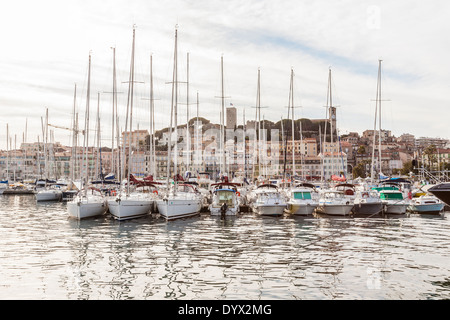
(7, 152)
(188, 139)
(258, 119)
(331, 114)
(114, 106)
(244, 127)
(152, 121)
(197, 140)
(45, 146)
(379, 113)
(86, 125)
(97, 166)
(131, 95)
(74, 132)
(176, 110)
(172, 111)
(291, 101)
(222, 126)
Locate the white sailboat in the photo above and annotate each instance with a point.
(333, 201)
(89, 202)
(129, 204)
(50, 192)
(182, 200)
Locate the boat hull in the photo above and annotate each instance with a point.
(124, 209)
(172, 209)
(82, 210)
(49, 196)
(395, 208)
(269, 210)
(217, 211)
(69, 195)
(427, 208)
(442, 192)
(335, 209)
(367, 208)
(301, 209)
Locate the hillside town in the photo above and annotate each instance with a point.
(273, 152)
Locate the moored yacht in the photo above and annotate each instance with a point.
(334, 202)
(87, 203)
(303, 199)
(367, 202)
(129, 205)
(225, 200)
(442, 192)
(268, 201)
(393, 201)
(50, 193)
(426, 204)
(183, 200)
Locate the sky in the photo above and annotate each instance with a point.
(45, 48)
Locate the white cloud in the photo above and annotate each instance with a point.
(45, 48)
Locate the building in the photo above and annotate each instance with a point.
(231, 118)
(138, 139)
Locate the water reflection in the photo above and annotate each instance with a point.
(46, 255)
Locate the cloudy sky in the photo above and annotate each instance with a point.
(45, 47)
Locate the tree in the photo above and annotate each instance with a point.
(430, 152)
(360, 169)
(407, 168)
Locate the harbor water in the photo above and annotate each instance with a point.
(44, 255)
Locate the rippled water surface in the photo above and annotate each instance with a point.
(46, 255)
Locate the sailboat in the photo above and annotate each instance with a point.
(129, 204)
(89, 202)
(182, 199)
(302, 199)
(333, 201)
(51, 192)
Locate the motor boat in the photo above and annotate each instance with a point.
(442, 192)
(303, 199)
(334, 202)
(268, 201)
(367, 202)
(225, 199)
(393, 201)
(426, 204)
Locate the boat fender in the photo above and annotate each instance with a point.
(238, 193)
(113, 192)
(348, 202)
